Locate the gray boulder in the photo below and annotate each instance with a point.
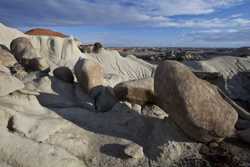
(64, 74)
(104, 98)
(195, 105)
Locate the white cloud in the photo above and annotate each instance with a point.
(146, 13)
(80, 12)
(237, 23)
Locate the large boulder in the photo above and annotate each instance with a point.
(136, 91)
(64, 74)
(104, 98)
(26, 54)
(89, 74)
(234, 81)
(195, 105)
(9, 84)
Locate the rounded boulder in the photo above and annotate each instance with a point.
(195, 105)
(64, 74)
(89, 74)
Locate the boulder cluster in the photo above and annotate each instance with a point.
(98, 108)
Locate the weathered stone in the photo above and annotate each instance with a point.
(64, 74)
(26, 55)
(9, 84)
(135, 151)
(97, 47)
(195, 105)
(137, 91)
(89, 74)
(20, 151)
(6, 58)
(104, 98)
(4, 69)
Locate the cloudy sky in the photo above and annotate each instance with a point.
(196, 23)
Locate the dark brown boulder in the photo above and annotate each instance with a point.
(137, 91)
(97, 47)
(64, 74)
(195, 105)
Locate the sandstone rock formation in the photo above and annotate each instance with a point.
(45, 32)
(89, 74)
(57, 51)
(195, 106)
(120, 69)
(26, 55)
(137, 91)
(51, 122)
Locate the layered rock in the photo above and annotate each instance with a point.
(9, 84)
(136, 91)
(89, 74)
(45, 32)
(120, 69)
(6, 58)
(57, 51)
(194, 104)
(26, 55)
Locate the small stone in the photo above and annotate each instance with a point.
(134, 151)
(213, 145)
(137, 108)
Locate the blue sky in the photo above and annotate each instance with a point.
(183, 23)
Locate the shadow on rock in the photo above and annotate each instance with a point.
(114, 150)
(152, 134)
